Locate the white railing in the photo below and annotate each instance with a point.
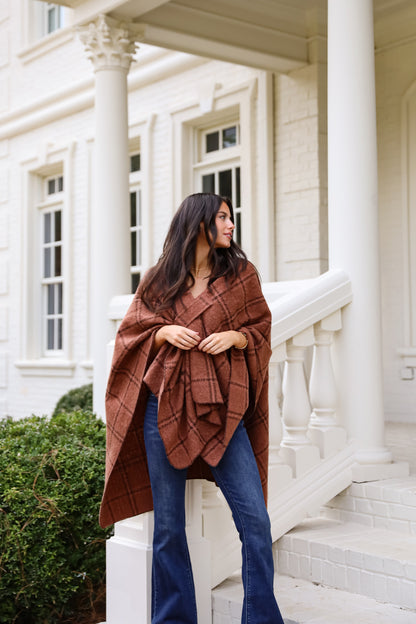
(310, 459)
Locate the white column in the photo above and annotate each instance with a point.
(353, 219)
(110, 47)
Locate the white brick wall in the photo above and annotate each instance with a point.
(389, 504)
(301, 188)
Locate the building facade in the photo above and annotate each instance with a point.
(304, 113)
(194, 123)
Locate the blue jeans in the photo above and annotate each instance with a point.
(173, 593)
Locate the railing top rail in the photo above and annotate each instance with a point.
(295, 305)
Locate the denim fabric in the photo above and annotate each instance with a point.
(173, 593)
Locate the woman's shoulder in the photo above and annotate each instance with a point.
(249, 270)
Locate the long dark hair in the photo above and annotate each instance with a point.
(172, 276)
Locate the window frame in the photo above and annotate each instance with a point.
(33, 361)
(135, 186)
(52, 204)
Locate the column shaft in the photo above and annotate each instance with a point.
(110, 215)
(353, 219)
(110, 46)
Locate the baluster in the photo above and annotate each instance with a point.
(324, 430)
(275, 416)
(297, 449)
(280, 473)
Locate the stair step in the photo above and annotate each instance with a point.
(303, 602)
(389, 504)
(377, 563)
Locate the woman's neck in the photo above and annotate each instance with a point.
(201, 265)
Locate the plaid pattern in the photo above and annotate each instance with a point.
(202, 398)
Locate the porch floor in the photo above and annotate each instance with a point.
(401, 440)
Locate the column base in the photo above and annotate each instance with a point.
(376, 472)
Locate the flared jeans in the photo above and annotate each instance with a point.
(173, 593)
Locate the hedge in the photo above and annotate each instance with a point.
(75, 399)
(52, 561)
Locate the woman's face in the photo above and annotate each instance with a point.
(224, 226)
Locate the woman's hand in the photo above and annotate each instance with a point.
(217, 343)
(178, 336)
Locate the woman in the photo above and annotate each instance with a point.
(187, 398)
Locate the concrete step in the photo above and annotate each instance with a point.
(376, 563)
(303, 602)
(388, 504)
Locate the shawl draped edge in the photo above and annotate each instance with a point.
(202, 397)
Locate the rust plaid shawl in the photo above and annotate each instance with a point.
(202, 398)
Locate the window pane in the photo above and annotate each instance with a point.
(60, 299)
(226, 183)
(212, 141)
(139, 207)
(47, 228)
(58, 260)
(208, 183)
(229, 136)
(51, 333)
(58, 233)
(51, 299)
(133, 248)
(133, 206)
(47, 262)
(51, 186)
(135, 281)
(59, 345)
(139, 247)
(60, 184)
(135, 162)
(237, 188)
(238, 227)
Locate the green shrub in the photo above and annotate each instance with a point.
(75, 399)
(52, 561)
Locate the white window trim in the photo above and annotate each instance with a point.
(242, 102)
(32, 362)
(141, 140)
(136, 187)
(33, 43)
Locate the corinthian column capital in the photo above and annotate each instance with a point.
(109, 44)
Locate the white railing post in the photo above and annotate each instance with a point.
(323, 430)
(199, 550)
(297, 449)
(129, 571)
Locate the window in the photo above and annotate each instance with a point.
(51, 267)
(53, 18)
(136, 222)
(218, 169)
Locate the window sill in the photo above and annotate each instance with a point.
(46, 368)
(46, 44)
(88, 366)
(408, 363)
(408, 356)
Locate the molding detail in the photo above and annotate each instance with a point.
(109, 44)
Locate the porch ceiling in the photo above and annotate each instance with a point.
(269, 34)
